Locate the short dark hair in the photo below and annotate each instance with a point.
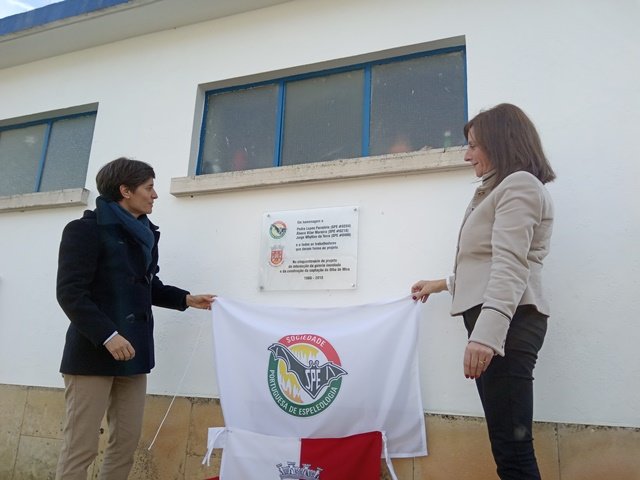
(122, 171)
(511, 142)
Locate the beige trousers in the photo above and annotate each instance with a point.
(87, 398)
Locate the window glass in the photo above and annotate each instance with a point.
(47, 155)
(323, 118)
(388, 106)
(240, 130)
(68, 153)
(417, 103)
(20, 153)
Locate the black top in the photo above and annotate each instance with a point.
(103, 286)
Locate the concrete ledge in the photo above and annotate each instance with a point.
(434, 160)
(33, 201)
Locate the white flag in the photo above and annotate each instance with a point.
(321, 372)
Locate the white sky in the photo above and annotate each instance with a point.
(12, 7)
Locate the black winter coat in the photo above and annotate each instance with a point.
(103, 286)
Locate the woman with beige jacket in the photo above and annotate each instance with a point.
(497, 281)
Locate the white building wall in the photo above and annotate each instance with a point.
(573, 66)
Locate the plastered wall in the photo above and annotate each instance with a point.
(571, 65)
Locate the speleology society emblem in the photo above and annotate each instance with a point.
(278, 229)
(304, 374)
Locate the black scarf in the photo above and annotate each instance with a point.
(138, 227)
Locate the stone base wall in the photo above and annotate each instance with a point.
(31, 436)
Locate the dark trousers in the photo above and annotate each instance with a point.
(506, 393)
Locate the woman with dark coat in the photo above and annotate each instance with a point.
(497, 281)
(107, 283)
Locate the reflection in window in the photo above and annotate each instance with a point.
(241, 127)
(389, 106)
(417, 104)
(47, 155)
(322, 118)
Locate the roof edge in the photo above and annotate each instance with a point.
(41, 17)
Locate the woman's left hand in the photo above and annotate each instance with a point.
(200, 301)
(477, 358)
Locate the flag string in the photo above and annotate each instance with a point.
(179, 389)
(392, 472)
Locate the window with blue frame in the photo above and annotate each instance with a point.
(45, 155)
(394, 105)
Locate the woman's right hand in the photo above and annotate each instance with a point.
(120, 348)
(422, 289)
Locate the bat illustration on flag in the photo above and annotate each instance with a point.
(313, 377)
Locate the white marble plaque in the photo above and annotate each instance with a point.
(313, 249)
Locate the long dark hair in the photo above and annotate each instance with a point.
(510, 141)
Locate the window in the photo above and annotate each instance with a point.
(45, 155)
(402, 104)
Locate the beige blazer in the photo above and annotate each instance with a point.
(503, 241)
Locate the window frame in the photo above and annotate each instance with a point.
(394, 164)
(282, 82)
(52, 198)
